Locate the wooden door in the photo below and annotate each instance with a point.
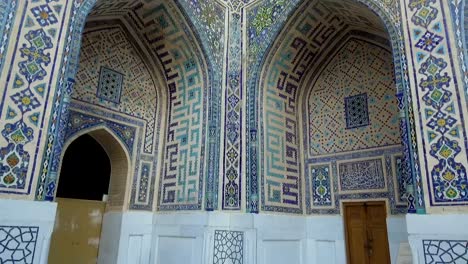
(366, 233)
(77, 231)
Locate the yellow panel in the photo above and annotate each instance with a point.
(77, 231)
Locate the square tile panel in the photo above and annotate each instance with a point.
(356, 111)
(110, 85)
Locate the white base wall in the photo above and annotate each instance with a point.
(438, 238)
(126, 238)
(25, 229)
(268, 239)
(198, 238)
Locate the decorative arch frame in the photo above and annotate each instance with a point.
(120, 160)
(391, 18)
(56, 131)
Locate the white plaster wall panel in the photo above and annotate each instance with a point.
(34, 221)
(136, 224)
(397, 235)
(404, 254)
(326, 241)
(281, 251)
(134, 250)
(110, 238)
(133, 237)
(280, 239)
(175, 250)
(179, 238)
(326, 251)
(119, 233)
(454, 224)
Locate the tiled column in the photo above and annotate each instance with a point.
(437, 87)
(35, 58)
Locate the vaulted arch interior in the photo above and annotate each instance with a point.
(330, 115)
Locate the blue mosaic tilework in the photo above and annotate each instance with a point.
(360, 66)
(264, 21)
(110, 85)
(390, 194)
(290, 59)
(440, 115)
(321, 185)
(110, 50)
(48, 170)
(124, 128)
(31, 60)
(208, 18)
(298, 50)
(7, 15)
(80, 121)
(228, 247)
(18, 244)
(233, 119)
(459, 11)
(187, 80)
(403, 180)
(362, 175)
(182, 178)
(356, 111)
(445, 251)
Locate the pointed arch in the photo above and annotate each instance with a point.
(288, 71)
(173, 43)
(120, 163)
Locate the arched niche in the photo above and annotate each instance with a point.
(120, 164)
(300, 51)
(172, 54)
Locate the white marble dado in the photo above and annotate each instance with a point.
(189, 238)
(269, 239)
(35, 220)
(126, 238)
(437, 228)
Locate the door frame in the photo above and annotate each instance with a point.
(365, 202)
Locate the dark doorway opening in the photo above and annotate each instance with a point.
(85, 172)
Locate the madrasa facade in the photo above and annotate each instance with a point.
(233, 131)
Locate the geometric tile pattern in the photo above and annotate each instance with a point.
(83, 121)
(376, 162)
(228, 247)
(122, 97)
(445, 251)
(356, 111)
(264, 21)
(208, 18)
(441, 116)
(182, 178)
(305, 39)
(172, 45)
(106, 54)
(237, 5)
(18, 244)
(359, 176)
(361, 73)
(110, 85)
(128, 131)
